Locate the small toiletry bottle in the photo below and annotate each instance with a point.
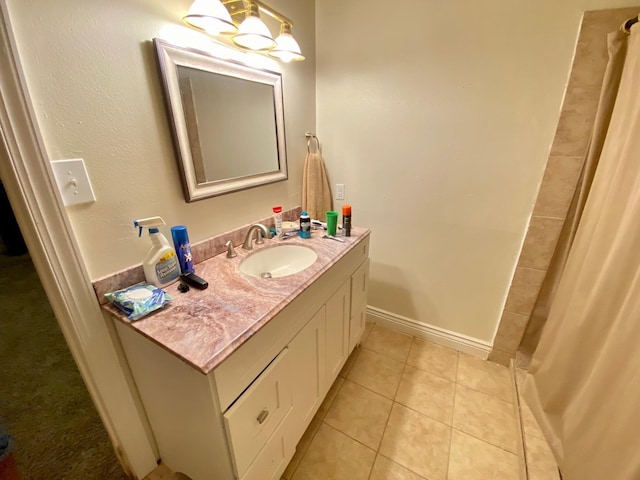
(346, 220)
(182, 247)
(277, 218)
(305, 225)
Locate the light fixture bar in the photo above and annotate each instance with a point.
(265, 8)
(241, 19)
(272, 13)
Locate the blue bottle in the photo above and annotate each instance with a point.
(182, 247)
(305, 225)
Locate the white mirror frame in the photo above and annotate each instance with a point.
(169, 58)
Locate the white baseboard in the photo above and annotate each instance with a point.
(472, 346)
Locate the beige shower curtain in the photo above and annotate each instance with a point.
(617, 48)
(584, 379)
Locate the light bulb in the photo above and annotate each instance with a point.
(253, 33)
(286, 49)
(210, 16)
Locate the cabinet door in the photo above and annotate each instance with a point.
(308, 372)
(359, 291)
(338, 330)
(357, 325)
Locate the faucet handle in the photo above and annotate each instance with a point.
(230, 251)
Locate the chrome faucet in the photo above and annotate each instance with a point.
(262, 232)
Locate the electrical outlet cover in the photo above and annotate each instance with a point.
(73, 181)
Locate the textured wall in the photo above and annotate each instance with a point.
(439, 119)
(92, 75)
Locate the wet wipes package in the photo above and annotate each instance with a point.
(139, 300)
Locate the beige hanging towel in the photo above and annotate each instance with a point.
(316, 192)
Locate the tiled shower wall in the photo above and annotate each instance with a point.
(561, 175)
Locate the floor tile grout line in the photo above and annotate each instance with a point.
(475, 389)
(359, 441)
(349, 436)
(455, 396)
(422, 477)
(364, 347)
(484, 393)
(387, 424)
(484, 441)
(385, 354)
(433, 374)
(424, 414)
(520, 423)
(394, 402)
(375, 459)
(371, 390)
(366, 388)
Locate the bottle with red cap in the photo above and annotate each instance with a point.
(346, 220)
(277, 219)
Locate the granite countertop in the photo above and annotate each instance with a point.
(204, 327)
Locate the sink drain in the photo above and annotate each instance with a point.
(265, 274)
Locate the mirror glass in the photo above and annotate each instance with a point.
(227, 121)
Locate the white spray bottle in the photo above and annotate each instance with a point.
(161, 267)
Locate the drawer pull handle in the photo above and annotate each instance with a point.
(263, 416)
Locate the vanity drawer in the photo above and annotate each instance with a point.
(274, 457)
(359, 287)
(253, 418)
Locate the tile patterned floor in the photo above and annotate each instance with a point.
(407, 409)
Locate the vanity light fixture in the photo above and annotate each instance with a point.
(210, 16)
(220, 17)
(253, 33)
(286, 49)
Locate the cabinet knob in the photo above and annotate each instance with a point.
(263, 416)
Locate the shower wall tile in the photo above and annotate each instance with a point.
(572, 134)
(563, 167)
(558, 186)
(589, 63)
(590, 59)
(498, 356)
(524, 290)
(591, 55)
(581, 100)
(510, 331)
(540, 242)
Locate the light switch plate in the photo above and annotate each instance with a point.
(73, 181)
(339, 191)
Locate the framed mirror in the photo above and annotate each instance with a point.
(227, 121)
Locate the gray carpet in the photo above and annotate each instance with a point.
(44, 404)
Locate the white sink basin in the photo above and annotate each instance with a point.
(278, 261)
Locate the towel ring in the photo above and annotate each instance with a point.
(309, 137)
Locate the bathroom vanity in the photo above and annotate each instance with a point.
(230, 377)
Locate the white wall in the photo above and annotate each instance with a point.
(438, 117)
(92, 75)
